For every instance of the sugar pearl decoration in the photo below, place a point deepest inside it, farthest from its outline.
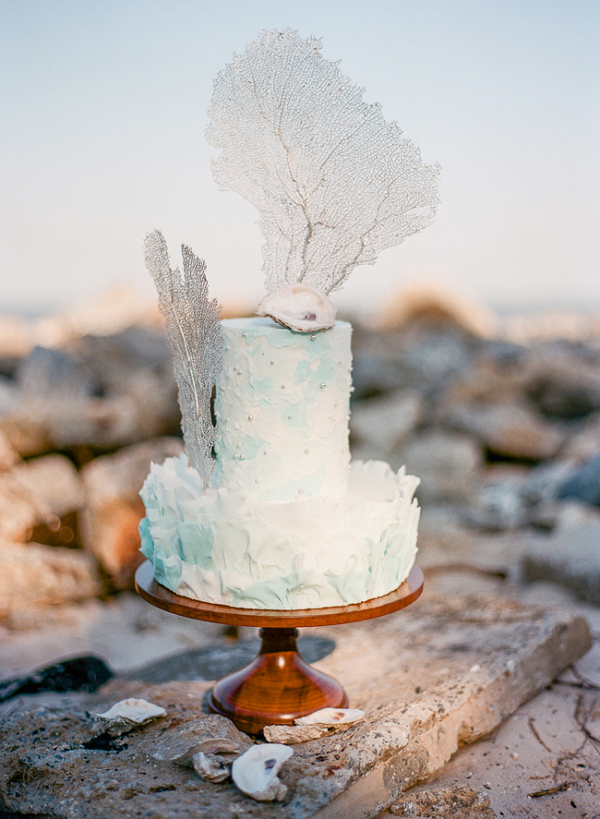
(313, 337)
(251, 417)
(322, 385)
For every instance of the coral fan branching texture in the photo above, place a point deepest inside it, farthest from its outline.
(333, 181)
(194, 334)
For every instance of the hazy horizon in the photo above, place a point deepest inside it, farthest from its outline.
(103, 113)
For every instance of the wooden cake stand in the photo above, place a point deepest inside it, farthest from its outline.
(278, 686)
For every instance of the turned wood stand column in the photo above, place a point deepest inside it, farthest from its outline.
(278, 686)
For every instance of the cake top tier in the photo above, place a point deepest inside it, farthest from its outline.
(282, 410)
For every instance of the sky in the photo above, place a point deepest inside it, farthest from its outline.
(103, 110)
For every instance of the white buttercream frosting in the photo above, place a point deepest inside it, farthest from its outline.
(225, 548)
(282, 407)
(288, 523)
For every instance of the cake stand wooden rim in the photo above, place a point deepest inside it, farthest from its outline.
(163, 598)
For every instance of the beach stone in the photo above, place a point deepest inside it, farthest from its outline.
(77, 674)
(53, 482)
(37, 493)
(512, 430)
(431, 304)
(447, 464)
(54, 375)
(584, 483)
(443, 673)
(173, 745)
(376, 373)
(381, 424)
(459, 802)
(16, 337)
(113, 509)
(102, 392)
(36, 575)
(9, 456)
(563, 379)
(582, 443)
(420, 357)
(569, 556)
(497, 507)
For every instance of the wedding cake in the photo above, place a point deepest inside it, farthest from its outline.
(289, 522)
(269, 512)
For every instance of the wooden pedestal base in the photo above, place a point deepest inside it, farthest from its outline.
(278, 686)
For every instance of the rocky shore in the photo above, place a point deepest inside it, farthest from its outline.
(500, 422)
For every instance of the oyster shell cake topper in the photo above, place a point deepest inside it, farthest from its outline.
(194, 335)
(334, 183)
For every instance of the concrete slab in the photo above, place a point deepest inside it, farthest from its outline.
(445, 672)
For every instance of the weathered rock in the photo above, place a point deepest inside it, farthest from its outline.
(53, 375)
(582, 443)
(460, 802)
(101, 392)
(569, 556)
(543, 482)
(381, 424)
(77, 674)
(432, 304)
(509, 430)
(497, 507)
(38, 492)
(293, 734)
(584, 483)
(447, 464)
(8, 454)
(37, 575)
(563, 379)
(16, 337)
(18, 513)
(53, 482)
(465, 664)
(110, 519)
(181, 742)
(427, 359)
(118, 359)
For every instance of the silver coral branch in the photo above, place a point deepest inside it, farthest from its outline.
(194, 336)
(333, 181)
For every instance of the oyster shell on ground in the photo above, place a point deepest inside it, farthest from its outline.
(128, 714)
(255, 772)
(332, 717)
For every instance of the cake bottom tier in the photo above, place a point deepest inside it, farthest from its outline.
(313, 553)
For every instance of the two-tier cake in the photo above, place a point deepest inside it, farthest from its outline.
(289, 522)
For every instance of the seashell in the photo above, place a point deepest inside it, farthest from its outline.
(126, 715)
(209, 747)
(255, 772)
(332, 717)
(293, 734)
(211, 767)
(299, 307)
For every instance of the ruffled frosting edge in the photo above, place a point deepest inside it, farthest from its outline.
(221, 548)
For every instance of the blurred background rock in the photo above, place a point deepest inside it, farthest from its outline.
(499, 418)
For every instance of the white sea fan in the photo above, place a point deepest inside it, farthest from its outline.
(333, 181)
(194, 335)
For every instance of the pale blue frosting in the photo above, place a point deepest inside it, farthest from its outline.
(223, 548)
(282, 407)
